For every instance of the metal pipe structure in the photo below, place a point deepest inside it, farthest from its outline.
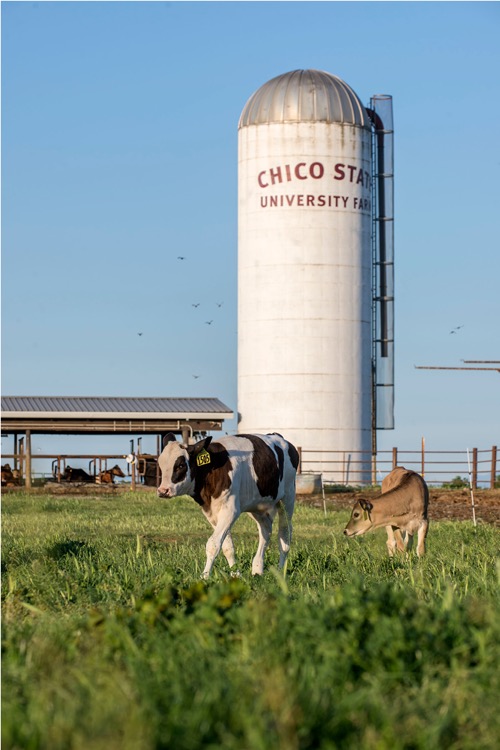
(429, 367)
(383, 264)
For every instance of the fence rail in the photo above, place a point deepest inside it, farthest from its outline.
(337, 467)
(437, 467)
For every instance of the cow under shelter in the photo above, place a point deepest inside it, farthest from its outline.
(24, 416)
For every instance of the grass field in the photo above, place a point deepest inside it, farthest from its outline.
(111, 640)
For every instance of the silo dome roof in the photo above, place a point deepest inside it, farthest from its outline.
(304, 96)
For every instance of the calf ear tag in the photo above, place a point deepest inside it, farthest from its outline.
(203, 458)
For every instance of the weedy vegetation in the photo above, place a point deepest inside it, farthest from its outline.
(111, 640)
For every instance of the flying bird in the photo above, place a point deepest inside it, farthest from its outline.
(454, 330)
(196, 376)
(219, 304)
(181, 257)
(195, 304)
(140, 334)
(209, 322)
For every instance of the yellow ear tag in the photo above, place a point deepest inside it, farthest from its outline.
(203, 458)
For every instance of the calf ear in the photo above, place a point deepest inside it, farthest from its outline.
(366, 505)
(200, 445)
(199, 448)
(168, 438)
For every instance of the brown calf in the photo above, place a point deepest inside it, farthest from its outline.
(402, 507)
(108, 476)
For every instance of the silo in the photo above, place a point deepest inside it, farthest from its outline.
(305, 265)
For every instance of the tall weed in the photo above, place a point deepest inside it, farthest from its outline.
(110, 639)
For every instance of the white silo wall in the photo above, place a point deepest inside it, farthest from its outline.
(304, 285)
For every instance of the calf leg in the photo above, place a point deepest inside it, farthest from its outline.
(391, 541)
(228, 550)
(397, 540)
(264, 522)
(421, 535)
(226, 517)
(401, 539)
(227, 544)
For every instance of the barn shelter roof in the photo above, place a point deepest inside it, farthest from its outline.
(110, 415)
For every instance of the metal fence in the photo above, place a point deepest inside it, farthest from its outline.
(478, 467)
(48, 466)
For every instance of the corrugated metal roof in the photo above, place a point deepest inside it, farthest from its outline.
(84, 405)
(305, 96)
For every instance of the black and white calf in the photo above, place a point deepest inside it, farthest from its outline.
(241, 473)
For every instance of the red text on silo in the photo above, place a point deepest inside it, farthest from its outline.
(315, 170)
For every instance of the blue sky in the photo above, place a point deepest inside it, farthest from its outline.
(119, 154)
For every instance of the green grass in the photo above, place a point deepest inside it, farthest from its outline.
(110, 639)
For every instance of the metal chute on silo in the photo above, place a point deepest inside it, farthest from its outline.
(380, 112)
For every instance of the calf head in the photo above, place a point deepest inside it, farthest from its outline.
(178, 463)
(117, 471)
(360, 521)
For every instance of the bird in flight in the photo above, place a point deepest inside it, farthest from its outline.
(209, 322)
(195, 304)
(181, 257)
(196, 376)
(454, 330)
(140, 334)
(219, 304)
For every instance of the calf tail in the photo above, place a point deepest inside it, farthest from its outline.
(285, 512)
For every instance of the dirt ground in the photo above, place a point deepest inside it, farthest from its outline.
(453, 505)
